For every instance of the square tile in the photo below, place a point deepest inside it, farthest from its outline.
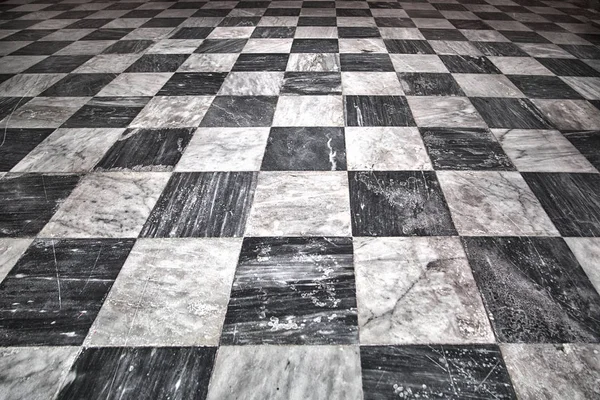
(464, 149)
(145, 150)
(135, 85)
(238, 111)
(293, 291)
(193, 84)
(271, 371)
(366, 62)
(79, 85)
(179, 288)
(589, 88)
(534, 150)
(151, 373)
(260, 62)
(398, 46)
(444, 112)
(58, 64)
(53, 294)
(107, 205)
(569, 114)
(28, 84)
(488, 85)
(158, 63)
(269, 46)
(510, 113)
(305, 149)
(221, 46)
(468, 371)
(417, 63)
(377, 111)
(106, 112)
(370, 83)
(309, 111)
(314, 62)
(300, 204)
(224, 149)
(17, 143)
(202, 204)
(41, 48)
(588, 144)
(494, 203)
(534, 278)
(571, 200)
(28, 201)
(315, 46)
(209, 63)
(312, 83)
(465, 49)
(252, 84)
(368, 148)
(399, 203)
(364, 47)
(429, 84)
(397, 281)
(128, 46)
(544, 87)
(469, 64)
(567, 67)
(107, 63)
(172, 112)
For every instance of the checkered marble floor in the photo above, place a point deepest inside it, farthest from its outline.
(299, 199)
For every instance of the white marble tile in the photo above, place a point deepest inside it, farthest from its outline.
(170, 292)
(366, 45)
(445, 112)
(83, 47)
(142, 84)
(278, 21)
(401, 33)
(268, 46)
(483, 35)
(174, 46)
(222, 62)
(371, 83)
(587, 252)
(535, 150)
(588, 87)
(148, 34)
(309, 111)
(449, 47)
(44, 112)
(313, 62)
(69, 150)
(34, 373)
(226, 32)
(105, 63)
(494, 203)
(16, 64)
(300, 204)
(417, 291)
(9, 47)
(544, 50)
(520, 66)
(418, 63)
(225, 149)
(356, 22)
(569, 114)
(385, 149)
(487, 85)
(252, 84)
(433, 23)
(28, 85)
(107, 205)
(286, 373)
(173, 112)
(564, 38)
(316, 32)
(10, 252)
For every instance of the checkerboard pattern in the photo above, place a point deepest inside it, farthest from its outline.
(299, 199)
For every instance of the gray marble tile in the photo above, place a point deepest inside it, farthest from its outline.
(10, 251)
(16, 64)
(534, 150)
(487, 85)
(520, 66)
(173, 112)
(309, 111)
(363, 45)
(209, 63)
(108, 63)
(69, 150)
(417, 291)
(444, 112)
(569, 114)
(34, 373)
(587, 252)
(131, 84)
(109, 205)
(28, 84)
(240, 111)
(300, 204)
(371, 83)
(170, 292)
(494, 203)
(252, 84)
(553, 371)
(44, 112)
(314, 62)
(418, 63)
(368, 148)
(287, 372)
(587, 87)
(224, 149)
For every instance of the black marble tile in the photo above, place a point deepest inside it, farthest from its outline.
(588, 144)
(89, 23)
(353, 12)
(311, 83)
(468, 64)
(399, 46)
(17, 143)
(253, 4)
(293, 291)
(472, 24)
(571, 200)
(534, 290)
(141, 14)
(544, 87)
(54, 292)
(27, 35)
(317, 21)
(147, 150)
(123, 6)
(305, 149)
(393, 22)
(210, 13)
(261, 62)
(44, 48)
(202, 204)
(493, 16)
(234, 111)
(201, 32)
(19, 24)
(221, 46)
(384, 5)
(5, 77)
(188, 5)
(128, 47)
(128, 373)
(240, 21)
(273, 32)
(28, 201)
(582, 51)
(107, 112)
(562, 18)
(464, 149)
(378, 111)
(79, 85)
(524, 37)
(510, 113)
(424, 14)
(544, 27)
(318, 4)
(500, 49)
(315, 46)
(366, 62)
(282, 12)
(442, 34)
(568, 67)
(590, 37)
(449, 7)
(58, 64)
(432, 372)
(163, 23)
(358, 32)
(400, 203)
(108, 34)
(73, 15)
(193, 84)
(158, 63)
(9, 105)
(429, 84)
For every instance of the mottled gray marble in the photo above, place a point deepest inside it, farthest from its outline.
(494, 203)
(371, 83)
(252, 84)
(553, 371)
(10, 251)
(418, 63)
(487, 85)
(417, 291)
(28, 84)
(588, 87)
(309, 111)
(314, 62)
(587, 252)
(142, 84)
(34, 373)
(109, 205)
(300, 204)
(108, 63)
(445, 111)
(363, 45)
(209, 63)
(519, 66)
(268, 46)
(569, 114)
(43, 112)
(173, 112)
(16, 64)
